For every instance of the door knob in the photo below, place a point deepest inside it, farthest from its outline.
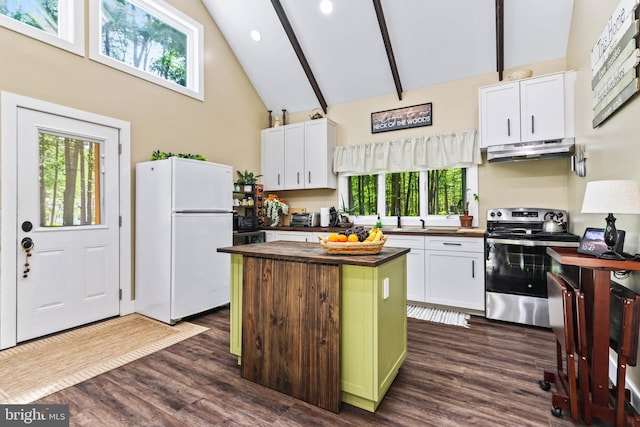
(27, 226)
(27, 243)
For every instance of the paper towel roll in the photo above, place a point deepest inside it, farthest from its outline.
(324, 217)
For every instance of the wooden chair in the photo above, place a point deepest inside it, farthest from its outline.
(567, 319)
(623, 338)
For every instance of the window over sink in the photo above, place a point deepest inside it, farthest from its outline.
(436, 196)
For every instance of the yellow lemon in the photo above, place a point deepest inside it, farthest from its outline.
(353, 238)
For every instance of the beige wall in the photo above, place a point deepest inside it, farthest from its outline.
(226, 124)
(455, 107)
(612, 149)
(224, 128)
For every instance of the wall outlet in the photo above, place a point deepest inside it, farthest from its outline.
(385, 288)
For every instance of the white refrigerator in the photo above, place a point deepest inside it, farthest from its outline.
(183, 215)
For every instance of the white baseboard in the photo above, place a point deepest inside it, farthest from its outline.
(613, 367)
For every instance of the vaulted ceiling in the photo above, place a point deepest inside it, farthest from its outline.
(342, 56)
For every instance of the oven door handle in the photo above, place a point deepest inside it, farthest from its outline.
(525, 242)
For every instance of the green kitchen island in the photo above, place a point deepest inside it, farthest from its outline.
(322, 328)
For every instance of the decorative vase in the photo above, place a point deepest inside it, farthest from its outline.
(466, 221)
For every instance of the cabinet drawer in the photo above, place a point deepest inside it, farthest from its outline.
(459, 244)
(399, 241)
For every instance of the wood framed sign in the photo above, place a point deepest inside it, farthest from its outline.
(614, 62)
(402, 118)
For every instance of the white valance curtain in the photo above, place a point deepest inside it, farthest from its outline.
(452, 150)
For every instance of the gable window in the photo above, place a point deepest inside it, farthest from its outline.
(418, 178)
(56, 22)
(151, 40)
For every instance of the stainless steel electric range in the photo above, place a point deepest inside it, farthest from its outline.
(517, 262)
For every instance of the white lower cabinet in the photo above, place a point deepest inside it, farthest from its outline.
(442, 270)
(293, 236)
(415, 264)
(454, 269)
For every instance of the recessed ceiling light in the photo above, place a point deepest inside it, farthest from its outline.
(326, 6)
(255, 35)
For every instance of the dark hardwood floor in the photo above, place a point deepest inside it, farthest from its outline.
(486, 375)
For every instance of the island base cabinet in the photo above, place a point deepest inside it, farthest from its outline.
(373, 327)
(373, 334)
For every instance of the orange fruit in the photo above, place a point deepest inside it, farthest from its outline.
(342, 238)
(353, 238)
(333, 237)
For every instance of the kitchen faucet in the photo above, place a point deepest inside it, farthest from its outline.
(398, 215)
(422, 221)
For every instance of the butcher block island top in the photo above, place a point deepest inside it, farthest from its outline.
(322, 328)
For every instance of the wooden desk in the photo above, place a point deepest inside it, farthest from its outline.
(595, 282)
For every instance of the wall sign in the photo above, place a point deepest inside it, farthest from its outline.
(614, 62)
(401, 118)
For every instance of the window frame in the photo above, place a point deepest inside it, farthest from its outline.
(170, 16)
(451, 220)
(70, 27)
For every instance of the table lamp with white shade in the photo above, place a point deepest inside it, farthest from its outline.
(609, 197)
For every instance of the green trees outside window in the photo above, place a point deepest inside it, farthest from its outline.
(40, 14)
(443, 190)
(139, 39)
(70, 181)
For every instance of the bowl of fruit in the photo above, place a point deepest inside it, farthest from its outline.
(354, 241)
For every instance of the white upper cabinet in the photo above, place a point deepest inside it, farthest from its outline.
(535, 109)
(294, 149)
(299, 156)
(500, 114)
(320, 140)
(273, 158)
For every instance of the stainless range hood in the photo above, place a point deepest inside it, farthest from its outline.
(536, 150)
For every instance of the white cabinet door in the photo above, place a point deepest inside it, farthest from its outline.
(320, 140)
(499, 114)
(273, 158)
(455, 279)
(294, 155)
(416, 290)
(293, 236)
(542, 108)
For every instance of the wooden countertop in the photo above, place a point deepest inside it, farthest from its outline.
(312, 253)
(570, 256)
(408, 231)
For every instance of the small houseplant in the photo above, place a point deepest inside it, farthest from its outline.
(246, 179)
(345, 214)
(465, 219)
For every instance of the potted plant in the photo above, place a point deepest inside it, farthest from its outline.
(465, 219)
(275, 206)
(345, 214)
(246, 179)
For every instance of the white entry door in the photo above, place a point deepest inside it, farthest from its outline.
(67, 223)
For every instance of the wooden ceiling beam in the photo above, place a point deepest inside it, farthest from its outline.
(500, 38)
(387, 45)
(299, 53)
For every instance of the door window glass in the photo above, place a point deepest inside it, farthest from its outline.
(70, 181)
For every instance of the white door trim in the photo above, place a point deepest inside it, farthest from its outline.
(9, 104)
